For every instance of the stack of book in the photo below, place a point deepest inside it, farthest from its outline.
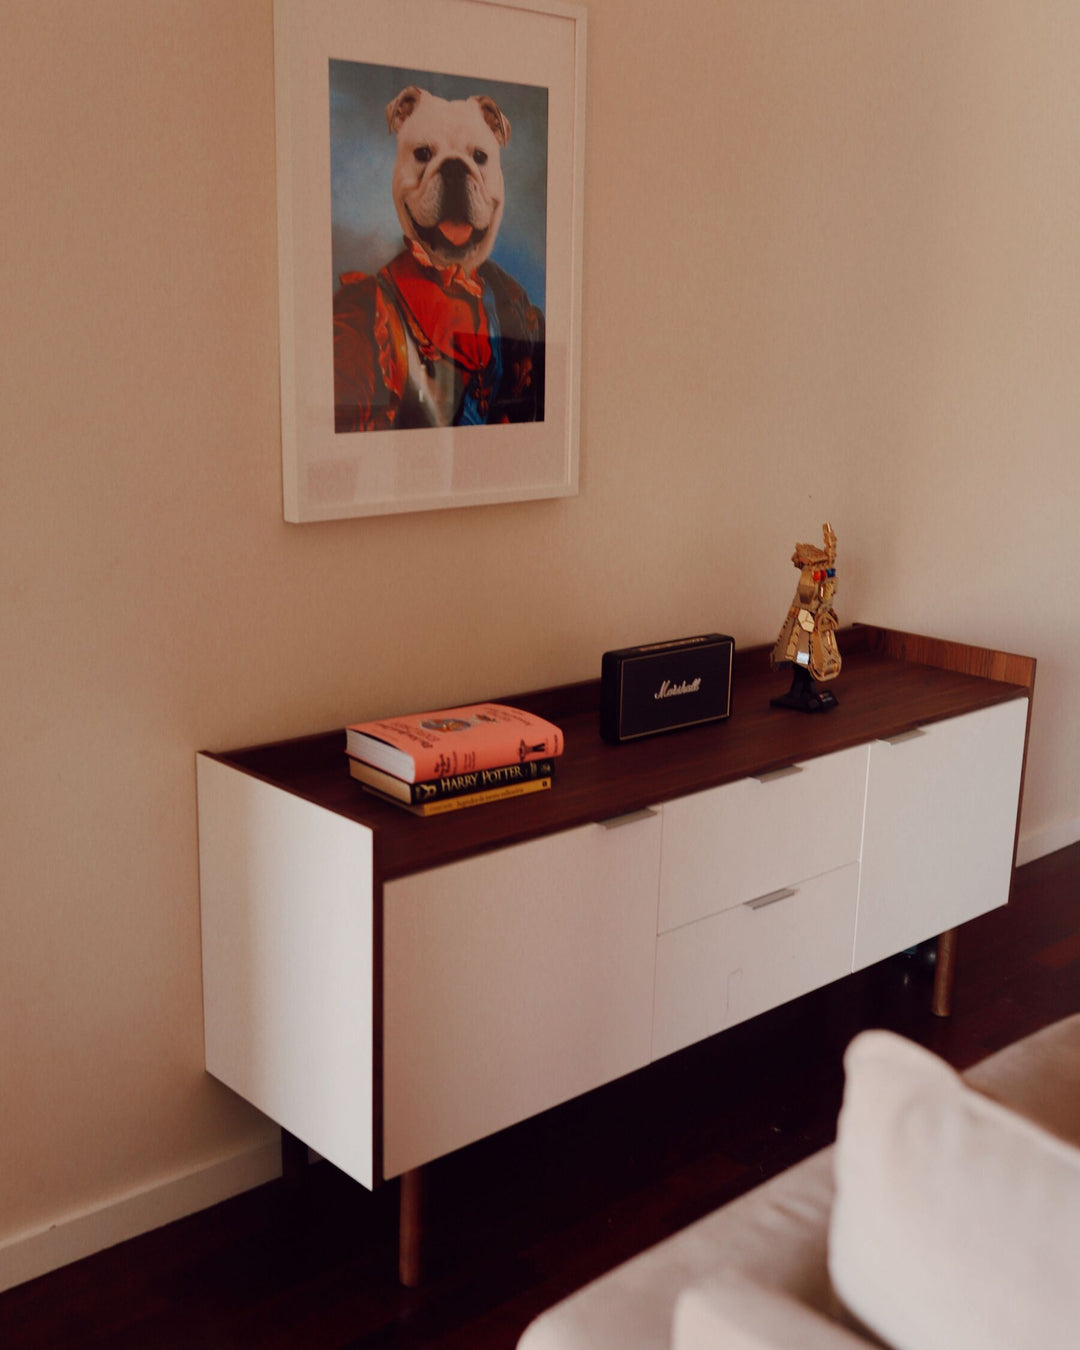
(434, 762)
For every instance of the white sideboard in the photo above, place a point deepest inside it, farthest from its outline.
(389, 989)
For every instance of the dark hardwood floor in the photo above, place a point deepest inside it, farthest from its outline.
(521, 1219)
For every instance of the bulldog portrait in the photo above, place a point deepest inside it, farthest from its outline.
(441, 335)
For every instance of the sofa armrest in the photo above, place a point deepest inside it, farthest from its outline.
(739, 1313)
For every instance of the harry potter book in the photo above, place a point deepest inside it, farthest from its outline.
(452, 785)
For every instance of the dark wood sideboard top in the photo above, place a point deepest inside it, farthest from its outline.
(890, 683)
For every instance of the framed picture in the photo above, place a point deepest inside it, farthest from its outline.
(430, 179)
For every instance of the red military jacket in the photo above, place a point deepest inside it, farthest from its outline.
(483, 325)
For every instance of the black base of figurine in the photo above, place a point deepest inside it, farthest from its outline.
(804, 695)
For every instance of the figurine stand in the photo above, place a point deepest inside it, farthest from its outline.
(804, 695)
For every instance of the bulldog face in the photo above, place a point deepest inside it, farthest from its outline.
(448, 184)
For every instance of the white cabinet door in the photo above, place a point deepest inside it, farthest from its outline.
(731, 966)
(514, 981)
(940, 824)
(729, 844)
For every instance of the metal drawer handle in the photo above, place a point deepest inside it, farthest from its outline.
(912, 735)
(762, 900)
(785, 772)
(617, 822)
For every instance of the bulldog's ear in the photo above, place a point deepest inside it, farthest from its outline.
(494, 116)
(401, 108)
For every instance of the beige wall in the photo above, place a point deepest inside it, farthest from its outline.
(830, 272)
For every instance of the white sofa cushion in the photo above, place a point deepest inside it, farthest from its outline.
(737, 1312)
(956, 1224)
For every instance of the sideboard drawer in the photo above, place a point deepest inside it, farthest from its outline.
(729, 844)
(731, 966)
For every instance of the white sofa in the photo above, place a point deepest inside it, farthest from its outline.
(946, 1215)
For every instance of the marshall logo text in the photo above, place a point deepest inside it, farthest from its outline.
(669, 690)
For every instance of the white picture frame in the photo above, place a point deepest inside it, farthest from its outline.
(332, 161)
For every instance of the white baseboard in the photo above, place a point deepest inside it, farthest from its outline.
(1039, 843)
(28, 1255)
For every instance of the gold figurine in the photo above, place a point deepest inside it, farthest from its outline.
(807, 640)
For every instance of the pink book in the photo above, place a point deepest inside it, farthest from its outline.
(454, 740)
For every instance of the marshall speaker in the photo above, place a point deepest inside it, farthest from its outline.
(665, 685)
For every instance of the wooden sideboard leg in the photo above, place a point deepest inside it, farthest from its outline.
(410, 1227)
(944, 974)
